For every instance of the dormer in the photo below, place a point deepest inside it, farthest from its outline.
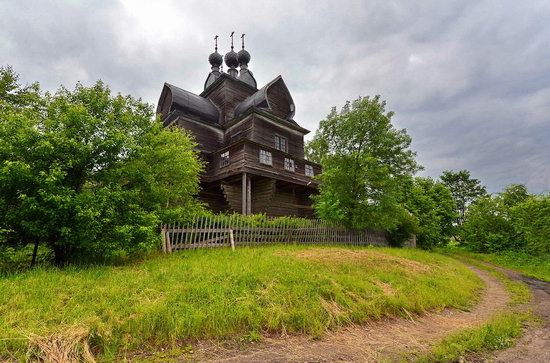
(188, 104)
(274, 97)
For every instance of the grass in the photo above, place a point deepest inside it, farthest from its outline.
(499, 333)
(529, 265)
(220, 294)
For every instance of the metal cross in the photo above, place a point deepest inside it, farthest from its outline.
(232, 39)
(242, 38)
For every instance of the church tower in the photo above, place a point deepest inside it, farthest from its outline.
(252, 146)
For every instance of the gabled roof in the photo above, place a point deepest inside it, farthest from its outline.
(173, 98)
(261, 100)
(226, 77)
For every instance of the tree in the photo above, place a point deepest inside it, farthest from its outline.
(495, 223)
(464, 190)
(532, 224)
(487, 228)
(366, 162)
(89, 174)
(432, 204)
(514, 194)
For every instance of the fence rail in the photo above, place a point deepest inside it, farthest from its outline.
(224, 231)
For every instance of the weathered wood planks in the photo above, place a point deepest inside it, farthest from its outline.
(232, 231)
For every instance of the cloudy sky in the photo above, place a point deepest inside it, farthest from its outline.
(469, 80)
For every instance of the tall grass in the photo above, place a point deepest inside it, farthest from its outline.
(499, 332)
(529, 265)
(219, 294)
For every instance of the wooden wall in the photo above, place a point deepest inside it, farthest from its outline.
(269, 197)
(278, 162)
(214, 198)
(264, 133)
(243, 130)
(227, 95)
(236, 162)
(278, 100)
(208, 138)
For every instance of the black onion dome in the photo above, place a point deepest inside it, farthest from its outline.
(215, 59)
(231, 59)
(243, 56)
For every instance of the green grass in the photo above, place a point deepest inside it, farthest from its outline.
(499, 333)
(529, 265)
(223, 294)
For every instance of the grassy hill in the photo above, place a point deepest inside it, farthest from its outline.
(220, 294)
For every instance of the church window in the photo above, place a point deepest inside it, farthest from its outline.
(265, 157)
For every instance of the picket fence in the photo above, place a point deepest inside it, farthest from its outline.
(232, 231)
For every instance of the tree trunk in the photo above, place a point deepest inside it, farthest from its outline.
(34, 253)
(60, 255)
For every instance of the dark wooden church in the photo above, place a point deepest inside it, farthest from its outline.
(253, 147)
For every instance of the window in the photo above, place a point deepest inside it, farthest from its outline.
(289, 164)
(309, 170)
(280, 143)
(265, 157)
(224, 159)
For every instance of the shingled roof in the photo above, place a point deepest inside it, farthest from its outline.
(174, 98)
(260, 99)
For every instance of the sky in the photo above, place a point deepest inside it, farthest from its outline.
(469, 80)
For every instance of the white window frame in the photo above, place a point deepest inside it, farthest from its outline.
(281, 143)
(224, 159)
(265, 157)
(308, 170)
(290, 165)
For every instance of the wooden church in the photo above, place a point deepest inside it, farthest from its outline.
(253, 148)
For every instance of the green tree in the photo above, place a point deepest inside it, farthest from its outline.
(532, 223)
(432, 204)
(366, 162)
(494, 223)
(464, 189)
(89, 174)
(488, 227)
(514, 194)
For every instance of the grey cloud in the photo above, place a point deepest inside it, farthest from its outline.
(469, 80)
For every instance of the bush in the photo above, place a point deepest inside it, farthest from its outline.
(509, 221)
(407, 228)
(88, 174)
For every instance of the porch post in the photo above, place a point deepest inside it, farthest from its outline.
(244, 194)
(249, 196)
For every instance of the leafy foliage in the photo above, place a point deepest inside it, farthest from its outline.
(532, 221)
(432, 204)
(366, 161)
(464, 190)
(510, 221)
(88, 173)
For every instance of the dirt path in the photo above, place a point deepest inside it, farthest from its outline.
(534, 345)
(383, 340)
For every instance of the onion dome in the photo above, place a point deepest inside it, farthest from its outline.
(215, 59)
(243, 57)
(231, 59)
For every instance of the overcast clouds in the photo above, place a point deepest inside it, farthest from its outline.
(470, 80)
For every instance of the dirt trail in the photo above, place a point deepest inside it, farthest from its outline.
(534, 345)
(388, 339)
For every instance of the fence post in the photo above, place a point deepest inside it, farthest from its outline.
(163, 235)
(168, 241)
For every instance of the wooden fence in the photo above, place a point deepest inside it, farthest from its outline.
(231, 231)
